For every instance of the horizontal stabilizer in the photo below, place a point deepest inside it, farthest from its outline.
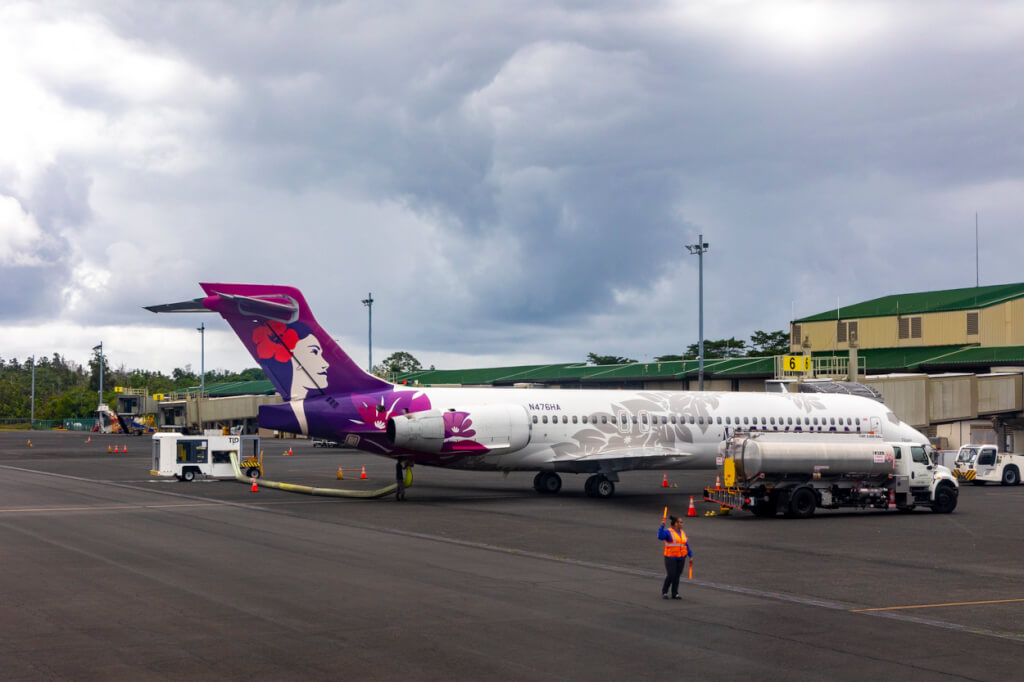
(193, 306)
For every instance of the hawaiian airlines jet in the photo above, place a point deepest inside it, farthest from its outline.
(595, 432)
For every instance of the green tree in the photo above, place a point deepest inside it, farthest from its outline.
(719, 348)
(768, 343)
(668, 358)
(595, 359)
(398, 362)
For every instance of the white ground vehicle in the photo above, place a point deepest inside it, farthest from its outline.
(981, 464)
(189, 456)
(766, 474)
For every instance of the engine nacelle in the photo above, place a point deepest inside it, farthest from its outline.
(478, 429)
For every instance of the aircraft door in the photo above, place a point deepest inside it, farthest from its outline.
(876, 425)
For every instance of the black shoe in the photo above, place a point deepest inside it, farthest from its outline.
(676, 596)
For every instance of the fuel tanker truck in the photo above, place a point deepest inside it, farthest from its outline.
(768, 474)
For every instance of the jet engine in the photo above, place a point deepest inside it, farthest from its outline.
(484, 427)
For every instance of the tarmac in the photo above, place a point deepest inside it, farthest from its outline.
(110, 573)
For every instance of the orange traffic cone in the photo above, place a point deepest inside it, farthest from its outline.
(290, 453)
(892, 498)
(254, 489)
(109, 450)
(116, 451)
(30, 443)
(664, 480)
(718, 482)
(125, 448)
(363, 473)
(692, 511)
(89, 439)
(341, 474)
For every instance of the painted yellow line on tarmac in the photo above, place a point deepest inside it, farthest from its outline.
(935, 606)
(24, 510)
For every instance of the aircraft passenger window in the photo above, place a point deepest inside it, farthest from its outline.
(613, 420)
(700, 420)
(574, 419)
(664, 420)
(565, 420)
(634, 419)
(728, 420)
(772, 421)
(643, 418)
(832, 421)
(763, 420)
(789, 420)
(584, 419)
(673, 419)
(719, 419)
(604, 419)
(691, 418)
(534, 419)
(745, 421)
(544, 419)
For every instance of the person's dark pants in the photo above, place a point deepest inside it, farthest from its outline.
(400, 482)
(673, 571)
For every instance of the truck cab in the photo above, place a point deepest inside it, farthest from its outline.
(981, 464)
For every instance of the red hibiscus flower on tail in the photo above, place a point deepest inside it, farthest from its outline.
(274, 340)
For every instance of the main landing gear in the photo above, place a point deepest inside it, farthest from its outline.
(547, 482)
(599, 485)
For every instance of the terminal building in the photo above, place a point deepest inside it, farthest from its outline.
(948, 362)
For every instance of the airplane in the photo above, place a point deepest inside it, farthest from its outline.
(595, 432)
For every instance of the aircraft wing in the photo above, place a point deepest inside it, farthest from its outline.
(624, 459)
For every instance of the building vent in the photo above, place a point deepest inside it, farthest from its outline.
(972, 323)
(910, 327)
(915, 327)
(904, 327)
(841, 332)
(794, 339)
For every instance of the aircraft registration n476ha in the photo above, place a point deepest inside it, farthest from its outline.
(551, 431)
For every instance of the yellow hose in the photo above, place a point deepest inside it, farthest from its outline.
(308, 490)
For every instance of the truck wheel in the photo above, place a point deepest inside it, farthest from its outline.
(188, 475)
(802, 503)
(1010, 476)
(945, 499)
(252, 472)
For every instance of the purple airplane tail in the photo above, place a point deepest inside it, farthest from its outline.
(296, 354)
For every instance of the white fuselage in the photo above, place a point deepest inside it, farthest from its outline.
(573, 425)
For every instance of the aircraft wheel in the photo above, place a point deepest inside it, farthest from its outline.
(548, 482)
(603, 487)
(536, 481)
(588, 487)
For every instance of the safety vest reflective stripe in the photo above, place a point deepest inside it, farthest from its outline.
(676, 547)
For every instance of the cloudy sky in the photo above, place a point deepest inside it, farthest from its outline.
(514, 182)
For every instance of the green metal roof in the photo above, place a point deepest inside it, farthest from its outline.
(229, 388)
(924, 302)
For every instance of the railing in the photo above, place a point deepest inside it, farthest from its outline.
(824, 367)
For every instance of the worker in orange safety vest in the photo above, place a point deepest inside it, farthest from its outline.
(676, 551)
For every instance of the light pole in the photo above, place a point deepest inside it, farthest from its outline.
(368, 302)
(32, 417)
(202, 372)
(700, 248)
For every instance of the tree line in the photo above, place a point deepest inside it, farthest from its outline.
(67, 390)
(762, 344)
